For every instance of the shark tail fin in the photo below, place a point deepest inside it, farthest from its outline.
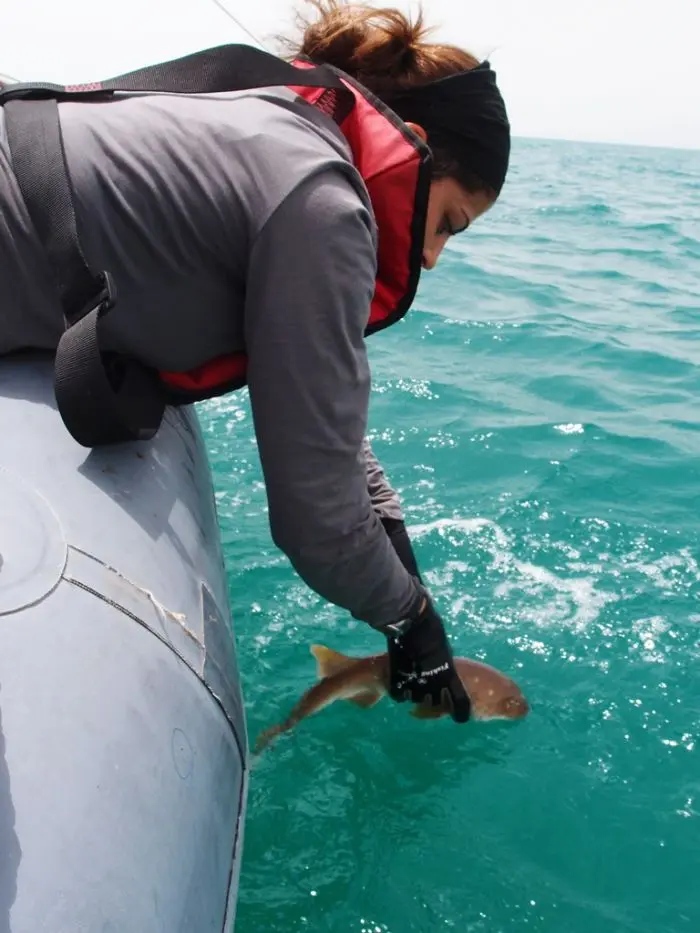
(266, 738)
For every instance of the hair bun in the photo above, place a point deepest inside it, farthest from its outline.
(379, 47)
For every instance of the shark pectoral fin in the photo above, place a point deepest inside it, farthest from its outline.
(366, 699)
(330, 662)
(428, 712)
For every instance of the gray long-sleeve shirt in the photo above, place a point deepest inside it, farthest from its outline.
(237, 222)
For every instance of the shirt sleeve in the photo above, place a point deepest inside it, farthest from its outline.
(384, 498)
(309, 287)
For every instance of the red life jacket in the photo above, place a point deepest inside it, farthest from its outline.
(395, 167)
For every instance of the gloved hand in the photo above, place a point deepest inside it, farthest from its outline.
(421, 666)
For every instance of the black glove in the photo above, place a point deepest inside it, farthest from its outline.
(400, 541)
(421, 665)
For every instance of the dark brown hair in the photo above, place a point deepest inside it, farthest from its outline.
(386, 52)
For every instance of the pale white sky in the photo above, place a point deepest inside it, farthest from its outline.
(604, 70)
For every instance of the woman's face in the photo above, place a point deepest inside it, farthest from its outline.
(451, 210)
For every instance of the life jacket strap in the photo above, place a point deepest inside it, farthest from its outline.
(108, 398)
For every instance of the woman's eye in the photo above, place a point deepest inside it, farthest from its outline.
(447, 227)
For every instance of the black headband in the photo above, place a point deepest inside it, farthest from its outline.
(466, 112)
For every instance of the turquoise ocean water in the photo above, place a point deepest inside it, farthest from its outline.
(538, 412)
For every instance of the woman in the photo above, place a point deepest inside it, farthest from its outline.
(257, 237)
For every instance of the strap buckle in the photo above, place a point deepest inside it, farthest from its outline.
(102, 302)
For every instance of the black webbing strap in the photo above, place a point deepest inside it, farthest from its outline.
(107, 398)
(98, 405)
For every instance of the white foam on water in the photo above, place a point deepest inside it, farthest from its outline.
(649, 632)
(670, 572)
(575, 600)
(467, 525)
(569, 428)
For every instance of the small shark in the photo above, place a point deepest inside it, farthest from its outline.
(364, 681)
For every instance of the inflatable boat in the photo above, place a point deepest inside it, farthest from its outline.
(123, 746)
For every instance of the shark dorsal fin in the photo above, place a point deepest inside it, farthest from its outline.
(330, 662)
